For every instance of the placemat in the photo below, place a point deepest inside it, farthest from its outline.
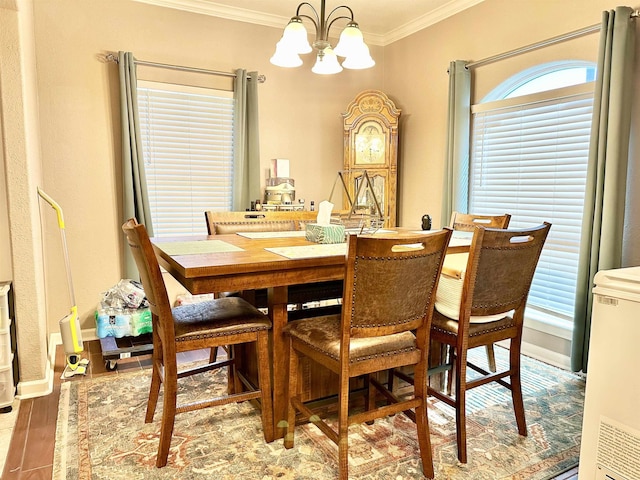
(197, 246)
(283, 234)
(310, 251)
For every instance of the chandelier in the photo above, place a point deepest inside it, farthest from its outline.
(351, 46)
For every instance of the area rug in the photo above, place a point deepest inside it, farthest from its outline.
(101, 434)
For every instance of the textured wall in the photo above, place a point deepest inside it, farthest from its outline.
(21, 150)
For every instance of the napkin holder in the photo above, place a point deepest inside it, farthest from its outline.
(324, 233)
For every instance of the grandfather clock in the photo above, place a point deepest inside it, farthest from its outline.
(371, 146)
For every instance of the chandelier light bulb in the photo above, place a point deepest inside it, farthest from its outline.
(295, 37)
(359, 59)
(285, 57)
(327, 63)
(350, 40)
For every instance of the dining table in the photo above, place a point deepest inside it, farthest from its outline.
(246, 261)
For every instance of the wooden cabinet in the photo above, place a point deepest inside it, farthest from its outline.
(371, 146)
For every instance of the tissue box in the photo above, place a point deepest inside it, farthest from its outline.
(324, 233)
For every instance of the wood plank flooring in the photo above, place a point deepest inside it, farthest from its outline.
(30, 454)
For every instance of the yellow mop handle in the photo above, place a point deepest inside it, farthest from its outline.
(55, 206)
(70, 324)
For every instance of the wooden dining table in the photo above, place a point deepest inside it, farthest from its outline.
(257, 260)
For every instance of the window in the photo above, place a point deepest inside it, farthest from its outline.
(529, 158)
(187, 140)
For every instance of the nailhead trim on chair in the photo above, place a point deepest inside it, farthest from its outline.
(381, 355)
(202, 336)
(448, 332)
(400, 322)
(367, 357)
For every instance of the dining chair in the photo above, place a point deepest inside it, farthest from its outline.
(219, 223)
(264, 220)
(388, 300)
(210, 324)
(467, 222)
(496, 282)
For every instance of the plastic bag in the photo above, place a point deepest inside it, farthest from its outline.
(125, 294)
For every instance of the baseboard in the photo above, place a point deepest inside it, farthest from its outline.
(56, 339)
(42, 387)
(544, 355)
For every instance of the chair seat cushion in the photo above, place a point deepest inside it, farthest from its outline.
(323, 334)
(444, 324)
(222, 316)
(449, 293)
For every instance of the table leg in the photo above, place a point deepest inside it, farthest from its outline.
(437, 356)
(277, 301)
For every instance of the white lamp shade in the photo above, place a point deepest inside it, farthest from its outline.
(284, 57)
(359, 59)
(295, 37)
(327, 64)
(350, 40)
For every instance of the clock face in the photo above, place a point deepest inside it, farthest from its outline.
(369, 144)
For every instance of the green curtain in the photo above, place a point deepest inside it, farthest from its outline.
(246, 143)
(456, 176)
(604, 207)
(134, 184)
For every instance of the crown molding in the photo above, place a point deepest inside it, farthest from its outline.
(431, 18)
(206, 7)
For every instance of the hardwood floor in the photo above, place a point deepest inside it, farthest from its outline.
(31, 450)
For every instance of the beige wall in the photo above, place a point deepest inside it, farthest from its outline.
(299, 116)
(20, 144)
(416, 76)
(300, 113)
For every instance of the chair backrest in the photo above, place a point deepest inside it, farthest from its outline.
(500, 270)
(468, 221)
(264, 221)
(150, 276)
(390, 283)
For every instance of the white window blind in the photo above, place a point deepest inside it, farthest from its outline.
(529, 158)
(187, 142)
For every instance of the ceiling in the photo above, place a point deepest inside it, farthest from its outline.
(381, 21)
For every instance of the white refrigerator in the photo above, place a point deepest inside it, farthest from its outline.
(610, 445)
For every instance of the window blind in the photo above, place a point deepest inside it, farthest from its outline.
(187, 141)
(529, 159)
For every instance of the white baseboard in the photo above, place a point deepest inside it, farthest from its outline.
(42, 387)
(544, 355)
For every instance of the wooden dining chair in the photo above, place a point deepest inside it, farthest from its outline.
(218, 322)
(467, 222)
(389, 291)
(262, 221)
(497, 279)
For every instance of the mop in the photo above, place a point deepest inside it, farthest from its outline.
(70, 324)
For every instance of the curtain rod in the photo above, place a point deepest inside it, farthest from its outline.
(112, 57)
(543, 43)
(535, 46)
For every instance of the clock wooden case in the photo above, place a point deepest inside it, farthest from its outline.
(371, 145)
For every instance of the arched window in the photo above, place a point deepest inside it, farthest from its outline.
(529, 153)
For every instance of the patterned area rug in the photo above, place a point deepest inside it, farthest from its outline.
(101, 434)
